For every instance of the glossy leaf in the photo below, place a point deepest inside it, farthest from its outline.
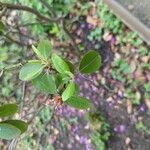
(8, 110)
(30, 71)
(78, 102)
(70, 65)
(60, 79)
(21, 125)
(69, 91)
(45, 83)
(90, 62)
(59, 64)
(8, 131)
(43, 50)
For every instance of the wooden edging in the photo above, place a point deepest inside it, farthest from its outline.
(130, 20)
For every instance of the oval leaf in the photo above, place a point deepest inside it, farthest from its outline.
(59, 64)
(8, 131)
(21, 125)
(70, 65)
(78, 102)
(43, 50)
(8, 110)
(30, 71)
(45, 83)
(58, 79)
(90, 62)
(69, 91)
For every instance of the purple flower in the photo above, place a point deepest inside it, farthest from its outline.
(83, 25)
(116, 129)
(120, 129)
(113, 40)
(96, 103)
(90, 26)
(110, 104)
(142, 108)
(81, 94)
(75, 129)
(88, 147)
(83, 140)
(69, 146)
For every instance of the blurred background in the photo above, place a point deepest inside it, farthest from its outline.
(120, 90)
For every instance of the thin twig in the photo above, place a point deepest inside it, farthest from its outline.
(9, 68)
(39, 110)
(63, 24)
(70, 36)
(50, 9)
(22, 34)
(13, 66)
(22, 99)
(30, 24)
(28, 9)
(14, 41)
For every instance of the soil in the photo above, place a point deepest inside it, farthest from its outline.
(69, 130)
(109, 102)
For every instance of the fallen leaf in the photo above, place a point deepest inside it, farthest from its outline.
(127, 141)
(92, 20)
(138, 75)
(133, 65)
(145, 59)
(147, 102)
(107, 36)
(129, 107)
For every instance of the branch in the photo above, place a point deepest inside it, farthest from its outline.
(50, 9)
(31, 24)
(23, 35)
(14, 41)
(71, 37)
(28, 9)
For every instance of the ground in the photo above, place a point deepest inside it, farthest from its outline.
(119, 91)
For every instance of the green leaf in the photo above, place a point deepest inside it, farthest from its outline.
(8, 110)
(30, 71)
(8, 131)
(2, 27)
(90, 62)
(59, 64)
(78, 102)
(45, 83)
(69, 91)
(58, 79)
(70, 65)
(43, 50)
(21, 125)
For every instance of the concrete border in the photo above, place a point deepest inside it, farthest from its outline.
(130, 20)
